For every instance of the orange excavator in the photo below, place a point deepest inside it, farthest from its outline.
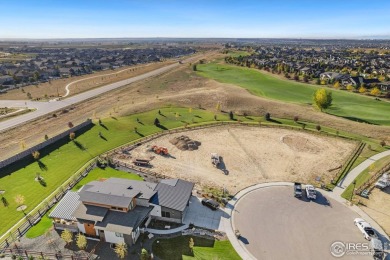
(160, 150)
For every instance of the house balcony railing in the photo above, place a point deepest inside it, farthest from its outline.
(70, 226)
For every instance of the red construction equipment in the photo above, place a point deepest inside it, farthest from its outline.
(160, 150)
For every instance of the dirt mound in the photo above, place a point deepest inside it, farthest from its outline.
(185, 143)
(300, 144)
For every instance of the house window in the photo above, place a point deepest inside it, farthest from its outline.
(118, 234)
(166, 214)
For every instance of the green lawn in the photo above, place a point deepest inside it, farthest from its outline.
(66, 159)
(41, 227)
(98, 174)
(63, 162)
(177, 248)
(365, 176)
(348, 105)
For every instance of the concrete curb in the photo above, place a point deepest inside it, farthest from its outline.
(240, 247)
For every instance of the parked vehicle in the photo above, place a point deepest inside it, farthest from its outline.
(297, 190)
(383, 181)
(311, 193)
(212, 204)
(376, 249)
(366, 229)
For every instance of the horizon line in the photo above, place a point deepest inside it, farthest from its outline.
(215, 38)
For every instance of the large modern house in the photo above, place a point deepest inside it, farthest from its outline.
(114, 210)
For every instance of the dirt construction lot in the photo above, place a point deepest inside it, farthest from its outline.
(249, 155)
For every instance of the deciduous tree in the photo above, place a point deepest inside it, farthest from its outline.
(322, 98)
(191, 244)
(67, 236)
(81, 241)
(375, 91)
(121, 250)
(35, 155)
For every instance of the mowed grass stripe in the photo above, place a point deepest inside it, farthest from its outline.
(348, 105)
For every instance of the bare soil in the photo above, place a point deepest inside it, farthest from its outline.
(378, 207)
(250, 155)
(179, 87)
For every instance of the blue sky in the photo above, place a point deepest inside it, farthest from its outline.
(196, 18)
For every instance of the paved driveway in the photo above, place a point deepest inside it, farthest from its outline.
(275, 225)
(202, 216)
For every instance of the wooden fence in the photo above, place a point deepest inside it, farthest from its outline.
(20, 253)
(33, 218)
(368, 185)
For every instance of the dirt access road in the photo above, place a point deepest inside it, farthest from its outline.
(250, 155)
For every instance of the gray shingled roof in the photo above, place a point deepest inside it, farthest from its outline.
(66, 207)
(124, 222)
(173, 194)
(89, 212)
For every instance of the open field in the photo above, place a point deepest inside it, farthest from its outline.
(347, 105)
(250, 156)
(177, 249)
(56, 88)
(181, 87)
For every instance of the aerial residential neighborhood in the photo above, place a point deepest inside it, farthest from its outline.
(204, 130)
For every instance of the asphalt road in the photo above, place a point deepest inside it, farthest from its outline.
(275, 225)
(43, 108)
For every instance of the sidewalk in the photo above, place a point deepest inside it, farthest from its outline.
(240, 247)
(351, 176)
(167, 231)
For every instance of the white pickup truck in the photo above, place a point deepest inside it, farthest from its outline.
(311, 193)
(383, 181)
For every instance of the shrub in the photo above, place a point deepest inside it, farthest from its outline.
(318, 127)
(156, 122)
(382, 143)
(296, 118)
(267, 116)
(231, 115)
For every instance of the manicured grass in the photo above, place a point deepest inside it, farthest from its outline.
(365, 176)
(178, 248)
(63, 162)
(348, 105)
(96, 174)
(99, 174)
(41, 227)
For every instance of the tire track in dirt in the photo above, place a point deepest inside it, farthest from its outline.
(248, 154)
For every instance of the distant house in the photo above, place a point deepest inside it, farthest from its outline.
(114, 210)
(6, 80)
(384, 86)
(65, 72)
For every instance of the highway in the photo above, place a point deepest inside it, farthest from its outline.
(44, 108)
